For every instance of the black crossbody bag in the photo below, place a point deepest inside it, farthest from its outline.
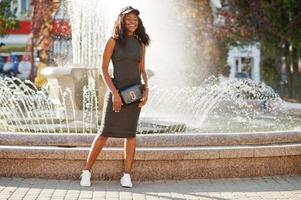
(131, 93)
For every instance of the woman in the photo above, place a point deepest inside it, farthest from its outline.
(126, 48)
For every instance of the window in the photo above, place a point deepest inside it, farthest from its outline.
(21, 8)
(14, 7)
(24, 6)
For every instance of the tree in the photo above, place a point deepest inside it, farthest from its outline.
(42, 26)
(42, 30)
(276, 24)
(7, 18)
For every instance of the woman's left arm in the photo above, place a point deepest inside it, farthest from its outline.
(144, 77)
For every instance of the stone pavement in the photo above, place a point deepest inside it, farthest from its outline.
(270, 188)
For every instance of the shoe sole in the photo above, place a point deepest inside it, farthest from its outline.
(127, 186)
(85, 185)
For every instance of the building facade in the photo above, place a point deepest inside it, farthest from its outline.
(17, 39)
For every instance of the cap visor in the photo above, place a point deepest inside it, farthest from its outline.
(131, 10)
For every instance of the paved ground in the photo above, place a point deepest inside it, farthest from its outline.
(279, 187)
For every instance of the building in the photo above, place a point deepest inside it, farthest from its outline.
(16, 40)
(244, 62)
(14, 60)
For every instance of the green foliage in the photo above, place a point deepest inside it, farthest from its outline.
(269, 73)
(7, 18)
(271, 22)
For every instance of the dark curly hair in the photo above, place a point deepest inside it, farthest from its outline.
(120, 32)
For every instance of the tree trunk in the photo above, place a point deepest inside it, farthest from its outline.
(295, 74)
(288, 62)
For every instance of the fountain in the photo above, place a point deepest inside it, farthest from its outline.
(214, 129)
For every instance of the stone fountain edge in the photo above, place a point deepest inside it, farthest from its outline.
(154, 140)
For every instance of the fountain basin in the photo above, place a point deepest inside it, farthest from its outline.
(154, 140)
(73, 78)
(158, 157)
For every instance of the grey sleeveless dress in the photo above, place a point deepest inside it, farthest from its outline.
(123, 124)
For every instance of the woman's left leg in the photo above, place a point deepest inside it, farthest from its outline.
(129, 153)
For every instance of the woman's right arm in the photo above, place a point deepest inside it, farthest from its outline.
(107, 54)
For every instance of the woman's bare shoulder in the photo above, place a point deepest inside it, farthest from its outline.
(111, 43)
(111, 40)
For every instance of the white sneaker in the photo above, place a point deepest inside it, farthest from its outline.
(85, 178)
(126, 181)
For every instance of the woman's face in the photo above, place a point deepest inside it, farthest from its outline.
(131, 22)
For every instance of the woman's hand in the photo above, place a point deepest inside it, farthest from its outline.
(144, 98)
(117, 102)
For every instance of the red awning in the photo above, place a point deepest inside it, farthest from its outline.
(25, 28)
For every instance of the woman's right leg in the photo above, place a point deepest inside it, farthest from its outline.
(97, 145)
